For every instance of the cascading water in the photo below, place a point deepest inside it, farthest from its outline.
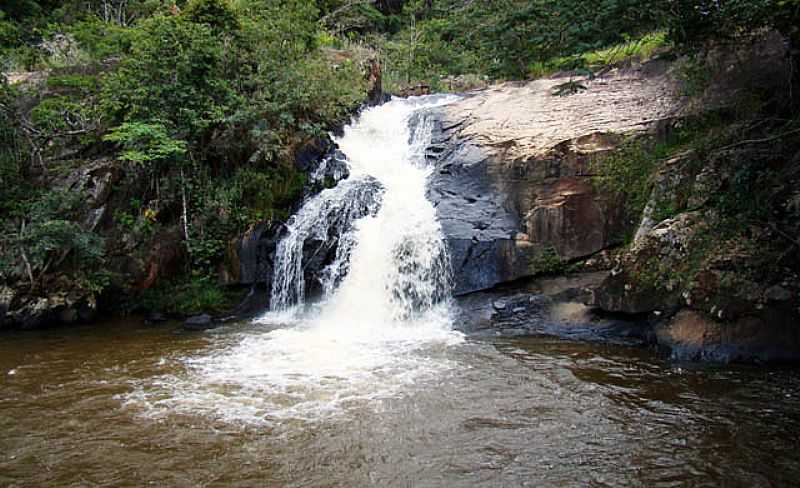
(390, 244)
(383, 322)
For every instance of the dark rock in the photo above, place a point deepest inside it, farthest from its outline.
(501, 221)
(308, 155)
(154, 318)
(6, 297)
(666, 247)
(253, 255)
(167, 252)
(199, 322)
(543, 307)
(512, 164)
(693, 336)
(777, 293)
(67, 315)
(255, 302)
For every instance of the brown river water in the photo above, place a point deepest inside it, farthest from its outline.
(124, 404)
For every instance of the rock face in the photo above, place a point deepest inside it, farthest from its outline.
(550, 306)
(513, 162)
(691, 335)
(251, 255)
(254, 253)
(633, 287)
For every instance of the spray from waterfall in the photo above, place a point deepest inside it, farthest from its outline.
(390, 260)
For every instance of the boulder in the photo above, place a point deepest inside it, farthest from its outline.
(512, 164)
(648, 277)
(692, 335)
(199, 322)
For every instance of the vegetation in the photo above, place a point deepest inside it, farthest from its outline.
(194, 109)
(200, 103)
(193, 296)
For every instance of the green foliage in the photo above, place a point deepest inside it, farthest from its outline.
(85, 84)
(216, 14)
(47, 234)
(100, 39)
(510, 38)
(175, 74)
(692, 22)
(190, 297)
(140, 221)
(12, 155)
(59, 114)
(267, 194)
(694, 76)
(220, 209)
(146, 143)
(547, 261)
(627, 173)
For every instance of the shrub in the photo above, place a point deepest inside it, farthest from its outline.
(146, 143)
(174, 74)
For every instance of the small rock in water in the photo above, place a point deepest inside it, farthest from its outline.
(199, 322)
(778, 293)
(499, 305)
(155, 317)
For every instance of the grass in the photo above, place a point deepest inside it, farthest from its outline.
(637, 50)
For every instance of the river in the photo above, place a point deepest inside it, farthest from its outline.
(123, 404)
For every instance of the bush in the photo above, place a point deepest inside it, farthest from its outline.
(175, 74)
(146, 143)
(191, 297)
(48, 234)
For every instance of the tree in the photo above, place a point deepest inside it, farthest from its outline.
(175, 73)
(216, 14)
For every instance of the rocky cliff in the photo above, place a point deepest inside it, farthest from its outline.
(513, 182)
(708, 269)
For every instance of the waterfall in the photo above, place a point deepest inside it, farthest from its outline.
(383, 322)
(375, 233)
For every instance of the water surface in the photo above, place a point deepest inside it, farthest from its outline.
(123, 404)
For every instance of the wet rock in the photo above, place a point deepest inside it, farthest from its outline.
(777, 293)
(68, 315)
(252, 256)
(154, 318)
(691, 335)
(6, 297)
(256, 301)
(307, 156)
(199, 322)
(510, 185)
(548, 306)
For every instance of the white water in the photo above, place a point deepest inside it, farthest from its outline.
(384, 322)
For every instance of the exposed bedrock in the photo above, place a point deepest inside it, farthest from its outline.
(511, 184)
